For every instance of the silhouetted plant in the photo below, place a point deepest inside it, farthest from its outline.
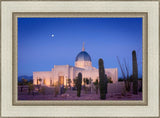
(140, 88)
(106, 83)
(24, 82)
(43, 90)
(96, 85)
(109, 79)
(56, 90)
(135, 72)
(79, 84)
(102, 80)
(75, 82)
(127, 80)
(121, 79)
(30, 87)
(69, 81)
(84, 81)
(87, 81)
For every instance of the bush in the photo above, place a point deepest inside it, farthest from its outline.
(56, 89)
(96, 85)
(42, 90)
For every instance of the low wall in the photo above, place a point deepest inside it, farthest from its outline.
(119, 86)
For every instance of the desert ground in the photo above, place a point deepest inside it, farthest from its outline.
(48, 93)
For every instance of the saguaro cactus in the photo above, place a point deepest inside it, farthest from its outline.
(102, 81)
(135, 72)
(79, 84)
(106, 83)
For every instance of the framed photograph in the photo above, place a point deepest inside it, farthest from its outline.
(80, 59)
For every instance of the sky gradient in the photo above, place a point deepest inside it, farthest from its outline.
(104, 38)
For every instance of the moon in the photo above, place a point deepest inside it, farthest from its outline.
(52, 35)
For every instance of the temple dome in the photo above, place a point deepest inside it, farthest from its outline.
(83, 56)
(83, 60)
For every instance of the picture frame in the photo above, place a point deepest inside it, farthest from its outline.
(11, 10)
(16, 102)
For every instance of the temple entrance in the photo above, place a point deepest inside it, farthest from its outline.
(61, 80)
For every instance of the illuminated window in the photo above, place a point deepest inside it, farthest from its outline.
(44, 81)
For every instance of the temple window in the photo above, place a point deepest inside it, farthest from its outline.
(44, 81)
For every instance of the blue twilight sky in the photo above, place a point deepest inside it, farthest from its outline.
(104, 38)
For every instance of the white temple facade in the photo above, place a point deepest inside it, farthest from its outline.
(61, 73)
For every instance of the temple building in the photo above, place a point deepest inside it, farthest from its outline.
(61, 73)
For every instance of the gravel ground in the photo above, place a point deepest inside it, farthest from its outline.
(72, 95)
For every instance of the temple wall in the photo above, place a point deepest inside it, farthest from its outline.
(113, 73)
(83, 64)
(46, 76)
(119, 87)
(70, 72)
(94, 74)
(61, 70)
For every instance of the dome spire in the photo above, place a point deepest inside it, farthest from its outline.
(83, 47)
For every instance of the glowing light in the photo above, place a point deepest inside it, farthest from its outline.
(52, 35)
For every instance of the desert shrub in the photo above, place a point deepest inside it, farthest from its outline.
(42, 90)
(96, 83)
(123, 93)
(56, 89)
